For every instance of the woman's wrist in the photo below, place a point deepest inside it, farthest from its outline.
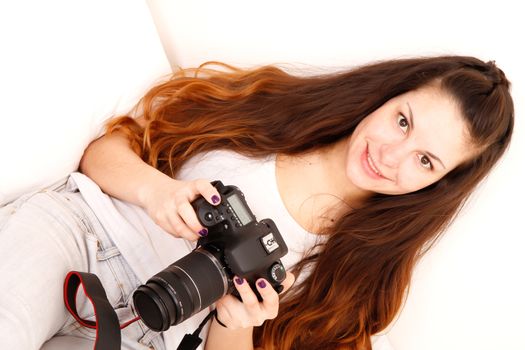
(152, 180)
(220, 337)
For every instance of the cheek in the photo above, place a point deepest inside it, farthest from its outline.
(378, 131)
(411, 179)
(352, 162)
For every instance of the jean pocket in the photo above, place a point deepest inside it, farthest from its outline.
(108, 265)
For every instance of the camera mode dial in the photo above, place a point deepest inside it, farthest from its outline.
(278, 272)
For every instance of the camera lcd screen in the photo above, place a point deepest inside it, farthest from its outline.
(238, 208)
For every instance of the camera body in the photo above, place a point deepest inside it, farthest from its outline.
(251, 249)
(236, 245)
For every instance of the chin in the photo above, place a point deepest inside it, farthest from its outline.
(358, 180)
(396, 192)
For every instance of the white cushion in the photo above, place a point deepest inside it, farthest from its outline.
(66, 67)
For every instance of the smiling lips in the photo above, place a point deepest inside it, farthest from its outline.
(370, 167)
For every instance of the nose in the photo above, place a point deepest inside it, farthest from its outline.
(392, 154)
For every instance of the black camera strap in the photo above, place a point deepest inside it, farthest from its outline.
(107, 324)
(192, 341)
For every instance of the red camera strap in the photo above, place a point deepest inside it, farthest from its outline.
(107, 324)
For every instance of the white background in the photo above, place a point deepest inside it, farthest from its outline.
(66, 66)
(468, 293)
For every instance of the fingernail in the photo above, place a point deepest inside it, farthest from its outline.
(261, 284)
(239, 281)
(215, 199)
(203, 232)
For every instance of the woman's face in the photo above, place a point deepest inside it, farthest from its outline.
(410, 142)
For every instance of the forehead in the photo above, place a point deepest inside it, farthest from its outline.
(439, 126)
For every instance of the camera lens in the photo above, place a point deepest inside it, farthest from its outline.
(181, 290)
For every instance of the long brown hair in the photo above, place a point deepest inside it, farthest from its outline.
(360, 275)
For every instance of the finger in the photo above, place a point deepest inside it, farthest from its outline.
(270, 298)
(206, 189)
(232, 312)
(187, 213)
(178, 228)
(251, 308)
(248, 297)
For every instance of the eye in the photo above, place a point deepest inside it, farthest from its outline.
(402, 121)
(425, 162)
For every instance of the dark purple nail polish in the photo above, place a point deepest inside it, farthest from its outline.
(239, 281)
(261, 284)
(215, 199)
(203, 232)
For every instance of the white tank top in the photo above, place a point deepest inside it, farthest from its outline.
(149, 249)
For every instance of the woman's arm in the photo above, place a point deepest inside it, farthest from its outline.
(118, 170)
(121, 173)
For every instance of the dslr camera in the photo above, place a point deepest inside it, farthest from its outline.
(236, 245)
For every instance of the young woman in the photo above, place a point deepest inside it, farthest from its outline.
(361, 171)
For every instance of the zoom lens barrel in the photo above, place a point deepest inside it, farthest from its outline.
(184, 288)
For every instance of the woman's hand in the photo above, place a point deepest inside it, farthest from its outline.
(167, 202)
(235, 314)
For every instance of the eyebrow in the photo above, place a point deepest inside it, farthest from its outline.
(411, 117)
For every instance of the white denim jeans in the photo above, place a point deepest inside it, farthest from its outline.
(43, 236)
